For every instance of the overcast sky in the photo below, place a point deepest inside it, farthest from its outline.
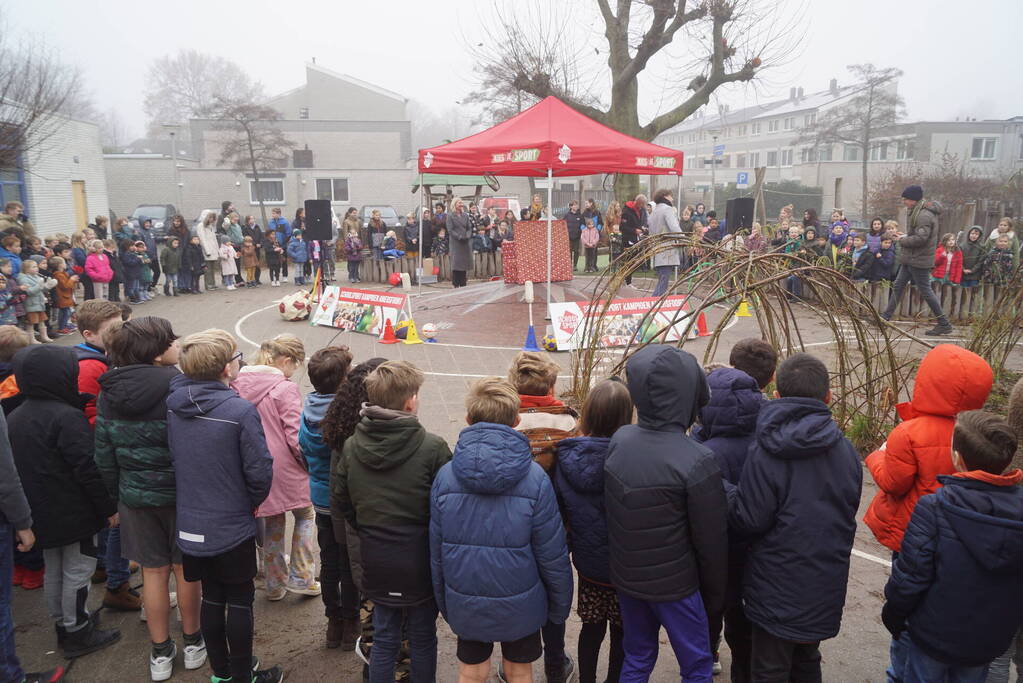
(959, 59)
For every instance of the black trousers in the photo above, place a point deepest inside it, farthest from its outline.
(340, 596)
(921, 279)
(154, 264)
(459, 278)
(227, 626)
(575, 246)
(776, 660)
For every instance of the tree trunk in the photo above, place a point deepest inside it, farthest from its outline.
(255, 176)
(623, 116)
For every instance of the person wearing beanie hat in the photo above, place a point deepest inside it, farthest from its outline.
(916, 257)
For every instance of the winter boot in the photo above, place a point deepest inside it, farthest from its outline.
(31, 579)
(123, 599)
(86, 639)
(349, 634)
(51, 676)
(335, 630)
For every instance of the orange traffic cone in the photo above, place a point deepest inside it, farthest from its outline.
(701, 325)
(389, 337)
(412, 337)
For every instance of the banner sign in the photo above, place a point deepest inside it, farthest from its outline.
(358, 310)
(621, 325)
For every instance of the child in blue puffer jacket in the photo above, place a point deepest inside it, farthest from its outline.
(328, 370)
(298, 252)
(579, 481)
(499, 560)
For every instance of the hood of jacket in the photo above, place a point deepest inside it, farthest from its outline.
(49, 373)
(668, 387)
(193, 398)
(986, 519)
(491, 458)
(315, 408)
(796, 428)
(385, 439)
(254, 382)
(581, 462)
(735, 402)
(949, 381)
(136, 389)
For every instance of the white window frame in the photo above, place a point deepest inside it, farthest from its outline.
(772, 126)
(755, 128)
(984, 140)
(742, 132)
(820, 152)
(254, 201)
(879, 151)
(770, 153)
(790, 122)
(740, 161)
(786, 157)
(754, 159)
(333, 199)
(855, 150)
(904, 149)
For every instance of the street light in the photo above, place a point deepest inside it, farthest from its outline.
(173, 129)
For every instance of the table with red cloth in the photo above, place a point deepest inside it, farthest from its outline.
(525, 257)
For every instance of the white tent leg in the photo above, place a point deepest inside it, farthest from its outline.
(419, 275)
(550, 212)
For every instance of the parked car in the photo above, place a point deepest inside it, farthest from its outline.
(387, 213)
(160, 214)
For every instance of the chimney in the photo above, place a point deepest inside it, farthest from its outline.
(792, 94)
(833, 87)
(799, 93)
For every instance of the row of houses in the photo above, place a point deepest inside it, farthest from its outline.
(353, 146)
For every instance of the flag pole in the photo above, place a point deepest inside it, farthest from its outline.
(550, 212)
(419, 275)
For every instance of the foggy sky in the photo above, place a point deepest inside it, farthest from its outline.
(959, 59)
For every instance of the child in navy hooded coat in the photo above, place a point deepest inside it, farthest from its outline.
(499, 559)
(579, 481)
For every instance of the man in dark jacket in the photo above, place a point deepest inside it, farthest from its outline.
(222, 472)
(574, 222)
(633, 220)
(801, 481)
(916, 255)
(958, 579)
(666, 517)
(52, 444)
(382, 487)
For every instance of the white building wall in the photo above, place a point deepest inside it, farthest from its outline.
(73, 152)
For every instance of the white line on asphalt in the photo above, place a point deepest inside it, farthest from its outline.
(238, 325)
(872, 558)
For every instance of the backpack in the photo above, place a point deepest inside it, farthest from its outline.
(543, 441)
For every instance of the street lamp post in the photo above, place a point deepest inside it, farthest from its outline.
(173, 129)
(713, 175)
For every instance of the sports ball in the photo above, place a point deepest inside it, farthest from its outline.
(295, 306)
(549, 343)
(428, 331)
(394, 279)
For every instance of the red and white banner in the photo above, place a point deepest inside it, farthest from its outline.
(358, 310)
(625, 321)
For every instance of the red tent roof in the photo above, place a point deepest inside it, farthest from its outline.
(550, 134)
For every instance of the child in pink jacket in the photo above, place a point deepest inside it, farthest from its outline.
(590, 237)
(97, 267)
(266, 384)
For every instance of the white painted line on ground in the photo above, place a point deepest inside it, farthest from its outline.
(238, 325)
(872, 558)
(459, 374)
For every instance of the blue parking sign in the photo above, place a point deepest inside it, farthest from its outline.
(742, 178)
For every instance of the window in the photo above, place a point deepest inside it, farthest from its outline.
(984, 149)
(904, 149)
(272, 191)
(879, 151)
(790, 123)
(728, 132)
(824, 153)
(726, 161)
(772, 126)
(334, 189)
(740, 161)
(1021, 146)
(772, 158)
(786, 157)
(12, 186)
(754, 160)
(807, 155)
(755, 128)
(851, 153)
(742, 132)
(809, 119)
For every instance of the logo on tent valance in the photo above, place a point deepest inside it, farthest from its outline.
(428, 160)
(515, 156)
(656, 162)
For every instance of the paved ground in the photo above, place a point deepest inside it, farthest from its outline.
(475, 343)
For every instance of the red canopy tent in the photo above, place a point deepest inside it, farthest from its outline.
(549, 139)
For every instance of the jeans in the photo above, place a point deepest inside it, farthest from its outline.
(154, 265)
(10, 667)
(794, 286)
(999, 670)
(340, 596)
(897, 651)
(421, 627)
(776, 660)
(922, 668)
(64, 317)
(663, 278)
(185, 279)
(229, 280)
(921, 278)
(66, 586)
(353, 271)
(131, 289)
(110, 558)
(685, 621)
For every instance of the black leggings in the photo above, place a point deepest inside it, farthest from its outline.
(275, 273)
(227, 625)
(591, 637)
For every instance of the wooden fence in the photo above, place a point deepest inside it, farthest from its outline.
(485, 266)
(960, 304)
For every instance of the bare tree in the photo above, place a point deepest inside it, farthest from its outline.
(251, 141)
(875, 108)
(721, 42)
(186, 84)
(113, 132)
(35, 90)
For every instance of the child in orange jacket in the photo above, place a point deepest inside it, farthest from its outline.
(65, 294)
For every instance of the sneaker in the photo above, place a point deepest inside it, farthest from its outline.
(567, 673)
(51, 676)
(716, 670)
(86, 640)
(277, 594)
(161, 667)
(274, 674)
(939, 330)
(312, 590)
(255, 667)
(231, 288)
(32, 579)
(195, 655)
(124, 598)
(99, 576)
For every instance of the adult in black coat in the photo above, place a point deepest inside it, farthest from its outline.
(797, 500)
(634, 219)
(666, 515)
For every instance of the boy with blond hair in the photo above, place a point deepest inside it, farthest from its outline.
(219, 487)
(381, 485)
(497, 544)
